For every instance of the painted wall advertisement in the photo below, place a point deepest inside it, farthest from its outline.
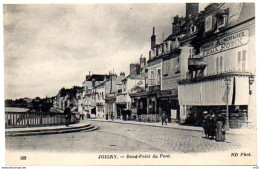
(225, 43)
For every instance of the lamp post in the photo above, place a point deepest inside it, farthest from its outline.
(227, 82)
(250, 114)
(251, 81)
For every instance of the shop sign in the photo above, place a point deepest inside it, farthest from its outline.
(168, 92)
(225, 43)
(154, 89)
(139, 87)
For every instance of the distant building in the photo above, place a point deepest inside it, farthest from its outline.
(94, 86)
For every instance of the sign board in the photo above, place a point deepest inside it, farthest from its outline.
(225, 43)
(173, 114)
(139, 87)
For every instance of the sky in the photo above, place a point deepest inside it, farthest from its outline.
(50, 46)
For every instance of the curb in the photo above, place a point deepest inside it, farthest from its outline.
(51, 131)
(41, 129)
(197, 130)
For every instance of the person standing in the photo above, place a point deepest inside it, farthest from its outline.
(164, 117)
(67, 113)
(220, 128)
(111, 115)
(205, 123)
(212, 126)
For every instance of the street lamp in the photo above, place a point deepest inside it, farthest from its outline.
(251, 81)
(40, 108)
(227, 82)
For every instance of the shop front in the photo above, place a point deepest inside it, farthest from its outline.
(121, 105)
(168, 102)
(214, 95)
(138, 104)
(110, 106)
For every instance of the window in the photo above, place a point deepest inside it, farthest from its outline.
(244, 60)
(241, 60)
(191, 52)
(217, 67)
(167, 68)
(169, 44)
(208, 23)
(219, 64)
(152, 77)
(159, 77)
(222, 20)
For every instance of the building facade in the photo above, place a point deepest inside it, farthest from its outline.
(220, 76)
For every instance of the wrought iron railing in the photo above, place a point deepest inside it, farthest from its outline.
(29, 119)
(148, 118)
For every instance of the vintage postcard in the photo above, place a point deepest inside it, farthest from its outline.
(130, 84)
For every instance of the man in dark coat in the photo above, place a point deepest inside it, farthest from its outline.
(164, 117)
(67, 113)
(205, 123)
(212, 126)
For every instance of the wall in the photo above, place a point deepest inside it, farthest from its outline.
(155, 80)
(229, 55)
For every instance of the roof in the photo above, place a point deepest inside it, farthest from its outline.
(137, 77)
(98, 77)
(16, 109)
(119, 79)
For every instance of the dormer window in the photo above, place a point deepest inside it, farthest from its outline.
(169, 44)
(165, 49)
(191, 53)
(160, 50)
(222, 21)
(222, 17)
(193, 29)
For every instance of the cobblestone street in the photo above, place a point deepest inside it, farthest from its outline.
(115, 137)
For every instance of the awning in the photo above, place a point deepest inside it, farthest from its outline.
(215, 92)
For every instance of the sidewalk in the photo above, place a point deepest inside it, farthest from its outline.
(176, 126)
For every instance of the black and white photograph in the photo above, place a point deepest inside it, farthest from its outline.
(130, 84)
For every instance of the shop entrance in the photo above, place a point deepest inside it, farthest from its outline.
(119, 109)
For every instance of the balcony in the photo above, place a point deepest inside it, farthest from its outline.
(154, 89)
(111, 95)
(196, 63)
(100, 103)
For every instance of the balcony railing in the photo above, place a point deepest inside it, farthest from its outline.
(27, 119)
(196, 63)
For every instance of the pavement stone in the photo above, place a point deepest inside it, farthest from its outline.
(119, 137)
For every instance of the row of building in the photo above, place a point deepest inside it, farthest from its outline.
(206, 64)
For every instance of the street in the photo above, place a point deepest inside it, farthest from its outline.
(116, 137)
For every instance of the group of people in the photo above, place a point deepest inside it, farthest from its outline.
(214, 126)
(111, 116)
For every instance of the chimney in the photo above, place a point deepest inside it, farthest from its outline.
(176, 25)
(142, 61)
(122, 74)
(192, 9)
(153, 39)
